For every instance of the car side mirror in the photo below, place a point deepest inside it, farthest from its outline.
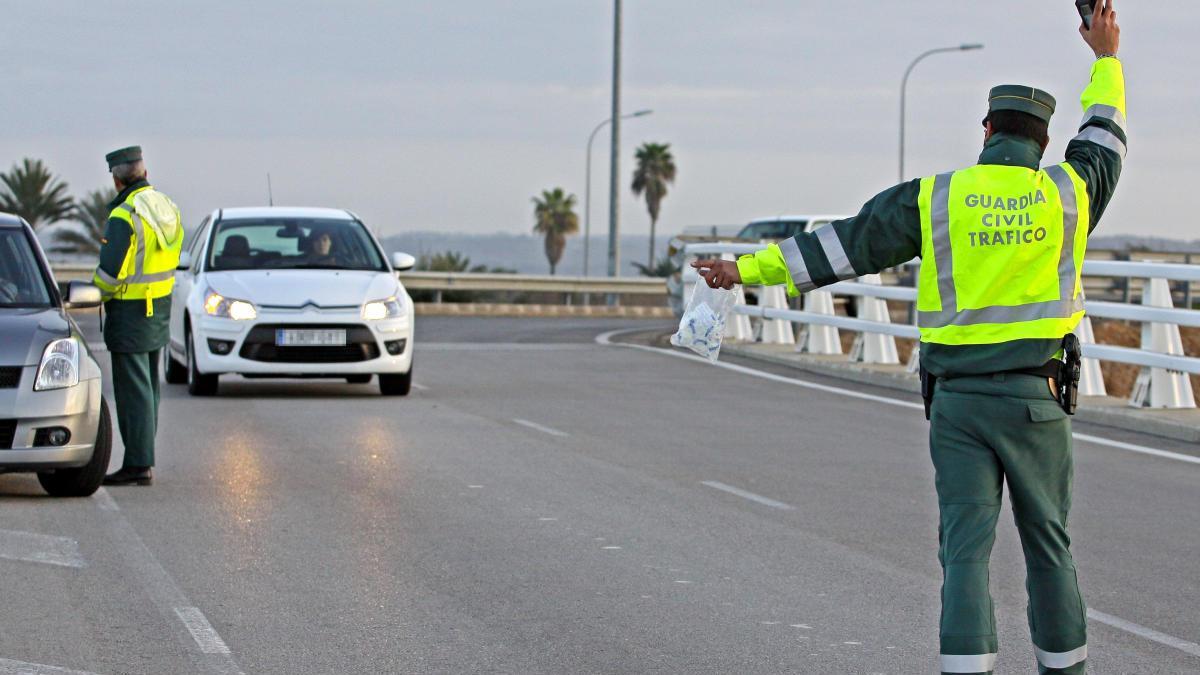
(185, 260)
(403, 261)
(81, 295)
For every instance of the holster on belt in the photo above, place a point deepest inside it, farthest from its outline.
(1068, 374)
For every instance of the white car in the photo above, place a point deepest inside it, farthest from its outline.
(289, 292)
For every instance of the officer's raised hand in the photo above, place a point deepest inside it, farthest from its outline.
(719, 273)
(1104, 37)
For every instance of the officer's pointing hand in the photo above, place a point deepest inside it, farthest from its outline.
(718, 273)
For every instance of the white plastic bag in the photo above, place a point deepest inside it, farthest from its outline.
(703, 324)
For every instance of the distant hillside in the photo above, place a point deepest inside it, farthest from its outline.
(524, 253)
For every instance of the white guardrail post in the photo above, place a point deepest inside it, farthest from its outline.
(775, 331)
(738, 327)
(874, 347)
(1091, 379)
(1159, 387)
(819, 338)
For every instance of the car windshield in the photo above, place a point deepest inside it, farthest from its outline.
(293, 243)
(21, 281)
(775, 229)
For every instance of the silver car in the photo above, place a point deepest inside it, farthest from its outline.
(53, 418)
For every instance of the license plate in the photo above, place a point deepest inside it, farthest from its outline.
(310, 337)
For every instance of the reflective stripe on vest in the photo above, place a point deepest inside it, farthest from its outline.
(133, 281)
(1005, 254)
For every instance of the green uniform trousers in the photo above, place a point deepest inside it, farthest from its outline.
(136, 389)
(985, 430)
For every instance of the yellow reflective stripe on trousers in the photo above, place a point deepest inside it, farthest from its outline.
(1060, 659)
(1105, 112)
(835, 253)
(1068, 303)
(1104, 138)
(968, 663)
(794, 259)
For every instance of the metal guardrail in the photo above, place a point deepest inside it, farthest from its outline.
(1110, 310)
(471, 281)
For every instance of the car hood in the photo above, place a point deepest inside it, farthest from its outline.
(24, 334)
(297, 288)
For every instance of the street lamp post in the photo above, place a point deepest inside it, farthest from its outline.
(587, 190)
(614, 251)
(904, 87)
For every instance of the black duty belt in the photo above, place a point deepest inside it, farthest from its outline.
(1065, 374)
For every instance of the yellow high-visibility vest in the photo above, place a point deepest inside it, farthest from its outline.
(148, 271)
(1001, 254)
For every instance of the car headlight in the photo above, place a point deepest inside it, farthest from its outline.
(389, 308)
(60, 365)
(216, 304)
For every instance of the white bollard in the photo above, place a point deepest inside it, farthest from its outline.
(1091, 380)
(816, 338)
(1159, 387)
(737, 325)
(874, 347)
(775, 331)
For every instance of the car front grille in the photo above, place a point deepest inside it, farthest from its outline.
(260, 345)
(8, 429)
(10, 377)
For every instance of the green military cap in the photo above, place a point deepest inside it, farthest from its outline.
(1024, 99)
(124, 156)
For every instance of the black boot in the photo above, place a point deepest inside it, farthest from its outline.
(130, 475)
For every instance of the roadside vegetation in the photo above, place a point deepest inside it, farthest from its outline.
(555, 219)
(654, 172)
(30, 190)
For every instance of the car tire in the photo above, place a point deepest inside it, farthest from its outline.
(198, 384)
(396, 385)
(358, 379)
(85, 480)
(174, 372)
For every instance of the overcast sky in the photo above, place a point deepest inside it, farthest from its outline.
(451, 115)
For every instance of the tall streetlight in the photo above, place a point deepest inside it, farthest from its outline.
(904, 88)
(587, 190)
(614, 190)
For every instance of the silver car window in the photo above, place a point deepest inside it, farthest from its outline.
(21, 281)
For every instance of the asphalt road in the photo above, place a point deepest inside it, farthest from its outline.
(546, 504)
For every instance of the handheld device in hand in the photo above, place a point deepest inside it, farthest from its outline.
(1086, 9)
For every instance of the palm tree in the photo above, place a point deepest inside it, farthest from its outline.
(92, 213)
(665, 267)
(555, 218)
(655, 168)
(35, 194)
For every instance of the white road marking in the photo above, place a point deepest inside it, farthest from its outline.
(475, 487)
(419, 387)
(105, 501)
(605, 339)
(163, 592)
(610, 548)
(801, 625)
(202, 631)
(767, 501)
(40, 548)
(542, 428)
(682, 581)
(505, 346)
(1148, 633)
(10, 667)
(546, 520)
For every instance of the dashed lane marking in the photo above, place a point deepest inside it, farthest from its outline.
(40, 548)
(541, 427)
(766, 501)
(1142, 631)
(10, 667)
(202, 631)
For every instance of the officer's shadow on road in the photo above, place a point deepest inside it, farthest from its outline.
(236, 387)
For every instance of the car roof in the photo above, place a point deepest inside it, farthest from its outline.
(775, 219)
(285, 212)
(9, 220)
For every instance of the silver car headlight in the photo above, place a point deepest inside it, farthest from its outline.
(216, 304)
(60, 365)
(388, 308)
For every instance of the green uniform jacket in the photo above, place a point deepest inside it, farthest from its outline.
(126, 326)
(887, 233)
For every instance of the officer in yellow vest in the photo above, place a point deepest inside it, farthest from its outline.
(138, 257)
(1001, 246)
